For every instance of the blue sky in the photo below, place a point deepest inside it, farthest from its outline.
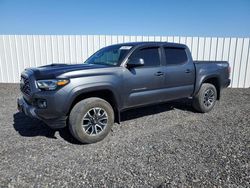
(126, 17)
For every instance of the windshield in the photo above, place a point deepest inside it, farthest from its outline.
(111, 55)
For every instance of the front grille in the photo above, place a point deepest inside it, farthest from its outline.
(25, 85)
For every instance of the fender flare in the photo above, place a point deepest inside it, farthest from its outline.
(86, 88)
(203, 79)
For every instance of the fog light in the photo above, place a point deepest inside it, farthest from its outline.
(42, 103)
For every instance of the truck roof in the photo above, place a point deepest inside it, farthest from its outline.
(169, 44)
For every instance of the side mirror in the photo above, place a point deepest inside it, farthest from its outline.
(135, 62)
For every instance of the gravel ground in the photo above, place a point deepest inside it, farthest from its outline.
(157, 146)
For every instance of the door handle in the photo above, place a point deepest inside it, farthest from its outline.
(188, 71)
(159, 73)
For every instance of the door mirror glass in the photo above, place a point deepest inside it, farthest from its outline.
(135, 62)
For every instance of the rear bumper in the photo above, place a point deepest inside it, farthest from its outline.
(226, 83)
(33, 112)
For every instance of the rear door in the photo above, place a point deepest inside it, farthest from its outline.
(142, 85)
(179, 73)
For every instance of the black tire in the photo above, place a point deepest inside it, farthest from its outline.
(200, 100)
(81, 110)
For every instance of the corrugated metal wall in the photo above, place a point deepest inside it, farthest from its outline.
(20, 51)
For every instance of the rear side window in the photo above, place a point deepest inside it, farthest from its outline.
(149, 55)
(175, 56)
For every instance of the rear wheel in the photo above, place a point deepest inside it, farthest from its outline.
(206, 98)
(91, 120)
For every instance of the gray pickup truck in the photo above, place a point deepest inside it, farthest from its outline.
(89, 97)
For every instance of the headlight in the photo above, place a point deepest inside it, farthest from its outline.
(50, 84)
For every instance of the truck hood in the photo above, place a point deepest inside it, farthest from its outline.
(54, 70)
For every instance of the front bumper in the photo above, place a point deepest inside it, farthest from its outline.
(27, 109)
(33, 112)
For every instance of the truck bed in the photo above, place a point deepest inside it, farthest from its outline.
(219, 69)
(216, 62)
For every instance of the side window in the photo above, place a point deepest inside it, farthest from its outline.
(175, 56)
(149, 55)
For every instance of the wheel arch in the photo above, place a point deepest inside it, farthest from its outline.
(214, 80)
(101, 92)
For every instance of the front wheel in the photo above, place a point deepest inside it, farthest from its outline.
(91, 120)
(206, 98)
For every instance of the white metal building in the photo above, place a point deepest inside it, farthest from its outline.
(21, 51)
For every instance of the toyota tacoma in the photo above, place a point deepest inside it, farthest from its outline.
(89, 97)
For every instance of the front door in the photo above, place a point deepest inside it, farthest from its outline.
(142, 85)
